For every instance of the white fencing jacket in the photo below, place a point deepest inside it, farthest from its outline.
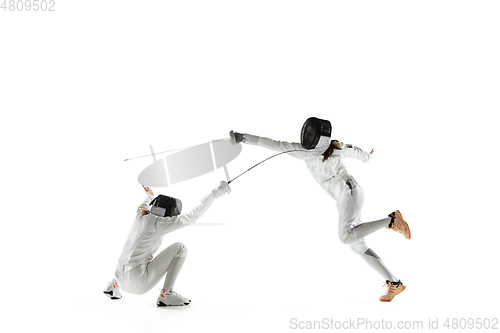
(331, 174)
(148, 231)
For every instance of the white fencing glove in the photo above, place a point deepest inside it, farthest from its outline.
(222, 189)
(235, 138)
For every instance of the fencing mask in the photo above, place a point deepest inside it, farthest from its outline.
(315, 136)
(164, 206)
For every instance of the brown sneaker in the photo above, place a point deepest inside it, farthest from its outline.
(393, 288)
(399, 225)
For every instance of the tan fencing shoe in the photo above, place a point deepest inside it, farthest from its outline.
(399, 225)
(393, 288)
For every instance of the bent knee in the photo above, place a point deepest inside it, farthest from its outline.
(347, 237)
(181, 249)
(358, 247)
(344, 240)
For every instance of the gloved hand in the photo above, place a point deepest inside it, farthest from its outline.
(238, 137)
(222, 189)
(235, 138)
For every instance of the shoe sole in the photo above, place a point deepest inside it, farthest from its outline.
(163, 304)
(110, 295)
(399, 216)
(388, 300)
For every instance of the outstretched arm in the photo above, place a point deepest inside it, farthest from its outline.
(278, 146)
(167, 224)
(349, 150)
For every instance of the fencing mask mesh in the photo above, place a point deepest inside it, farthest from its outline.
(164, 206)
(315, 135)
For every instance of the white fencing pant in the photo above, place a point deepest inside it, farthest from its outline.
(352, 231)
(142, 279)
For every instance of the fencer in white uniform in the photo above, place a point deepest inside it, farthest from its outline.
(137, 271)
(323, 159)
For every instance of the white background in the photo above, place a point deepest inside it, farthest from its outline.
(95, 82)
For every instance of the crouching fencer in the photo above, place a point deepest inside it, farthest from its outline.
(323, 158)
(137, 271)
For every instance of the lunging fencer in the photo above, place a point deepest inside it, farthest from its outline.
(323, 158)
(137, 271)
